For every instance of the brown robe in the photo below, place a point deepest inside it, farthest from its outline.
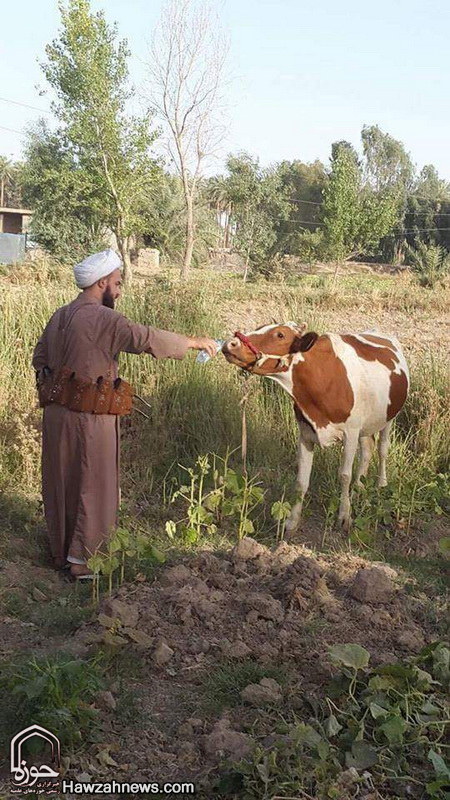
(81, 451)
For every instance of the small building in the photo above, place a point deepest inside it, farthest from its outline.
(14, 220)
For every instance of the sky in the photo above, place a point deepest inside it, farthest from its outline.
(301, 74)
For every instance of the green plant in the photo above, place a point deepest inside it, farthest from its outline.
(383, 729)
(232, 494)
(200, 505)
(244, 494)
(430, 262)
(122, 545)
(56, 691)
(280, 511)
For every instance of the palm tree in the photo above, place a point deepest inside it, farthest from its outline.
(6, 176)
(217, 191)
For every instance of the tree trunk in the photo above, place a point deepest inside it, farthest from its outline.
(124, 249)
(335, 274)
(189, 246)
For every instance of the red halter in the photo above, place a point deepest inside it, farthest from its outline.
(245, 340)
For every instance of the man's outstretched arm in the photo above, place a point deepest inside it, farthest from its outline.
(132, 337)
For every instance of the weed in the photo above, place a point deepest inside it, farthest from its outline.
(231, 494)
(56, 691)
(381, 729)
(223, 686)
(122, 545)
(61, 616)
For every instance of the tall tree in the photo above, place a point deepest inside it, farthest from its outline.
(87, 68)
(355, 216)
(9, 183)
(387, 163)
(303, 184)
(390, 173)
(257, 203)
(67, 205)
(341, 207)
(427, 214)
(185, 70)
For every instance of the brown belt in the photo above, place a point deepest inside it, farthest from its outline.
(100, 397)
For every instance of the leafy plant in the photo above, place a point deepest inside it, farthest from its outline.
(122, 546)
(56, 692)
(280, 512)
(232, 494)
(430, 262)
(381, 728)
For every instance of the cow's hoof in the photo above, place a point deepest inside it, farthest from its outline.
(382, 483)
(359, 484)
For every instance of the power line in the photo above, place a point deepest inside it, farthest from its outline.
(12, 130)
(25, 105)
(413, 196)
(309, 202)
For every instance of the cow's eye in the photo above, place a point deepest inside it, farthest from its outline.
(280, 335)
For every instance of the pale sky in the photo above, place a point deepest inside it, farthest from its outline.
(304, 74)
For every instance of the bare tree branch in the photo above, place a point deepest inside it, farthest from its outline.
(187, 60)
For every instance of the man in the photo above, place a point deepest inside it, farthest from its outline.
(81, 450)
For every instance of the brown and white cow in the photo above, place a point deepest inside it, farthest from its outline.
(346, 387)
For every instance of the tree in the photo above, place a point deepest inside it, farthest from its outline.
(427, 210)
(355, 215)
(187, 60)
(87, 68)
(341, 207)
(390, 172)
(303, 185)
(9, 183)
(387, 163)
(163, 220)
(257, 203)
(67, 206)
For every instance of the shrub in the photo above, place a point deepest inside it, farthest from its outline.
(431, 263)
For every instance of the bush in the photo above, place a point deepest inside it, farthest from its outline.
(56, 692)
(431, 263)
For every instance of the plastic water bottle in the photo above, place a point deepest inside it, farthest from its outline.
(204, 356)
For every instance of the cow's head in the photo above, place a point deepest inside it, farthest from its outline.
(268, 350)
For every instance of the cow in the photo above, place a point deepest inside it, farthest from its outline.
(345, 387)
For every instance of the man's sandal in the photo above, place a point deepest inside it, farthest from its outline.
(81, 576)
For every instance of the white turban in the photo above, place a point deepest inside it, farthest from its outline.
(94, 267)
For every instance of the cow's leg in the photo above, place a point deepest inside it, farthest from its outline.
(366, 444)
(348, 457)
(305, 455)
(383, 447)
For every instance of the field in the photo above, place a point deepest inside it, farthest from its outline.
(142, 676)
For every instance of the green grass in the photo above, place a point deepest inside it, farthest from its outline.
(221, 688)
(194, 409)
(55, 691)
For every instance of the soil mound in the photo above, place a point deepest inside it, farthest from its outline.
(276, 609)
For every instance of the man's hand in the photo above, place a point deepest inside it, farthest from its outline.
(204, 343)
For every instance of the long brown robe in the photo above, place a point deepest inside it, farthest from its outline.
(81, 451)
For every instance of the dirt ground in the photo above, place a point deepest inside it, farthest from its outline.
(278, 609)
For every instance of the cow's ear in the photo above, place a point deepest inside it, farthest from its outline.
(303, 343)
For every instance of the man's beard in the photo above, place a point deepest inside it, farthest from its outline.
(108, 299)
